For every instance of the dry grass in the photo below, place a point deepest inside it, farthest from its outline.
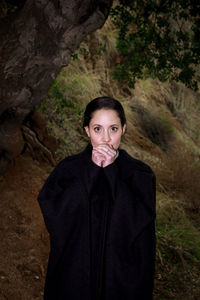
(179, 175)
(185, 107)
(173, 225)
(178, 252)
(154, 124)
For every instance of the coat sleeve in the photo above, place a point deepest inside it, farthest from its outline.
(59, 198)
(50, 195)
(63, 202)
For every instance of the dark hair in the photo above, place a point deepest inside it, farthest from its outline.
(103, 103)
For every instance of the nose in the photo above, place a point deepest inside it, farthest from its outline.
(106, 136)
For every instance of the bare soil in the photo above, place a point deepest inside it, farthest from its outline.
(24, 245)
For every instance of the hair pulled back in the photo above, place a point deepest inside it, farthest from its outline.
(103, 103)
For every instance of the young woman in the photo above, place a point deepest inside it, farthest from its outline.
(99, 209)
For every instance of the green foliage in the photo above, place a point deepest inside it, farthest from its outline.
(8, 7)
(38, 46)
(64, 117)
(159, 39)
(74, 56)
(58, 92)
(62, 105)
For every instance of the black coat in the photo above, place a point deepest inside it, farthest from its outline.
(102, 231)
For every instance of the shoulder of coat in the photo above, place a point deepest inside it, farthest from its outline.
(68, 162)
(134, 163)
(71, 158)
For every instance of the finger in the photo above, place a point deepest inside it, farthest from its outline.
(102, 150)
(113, 148)
(97, 152)
(98, 158)
(107, 153)
(106, 149)
(104, 146)
(98, 155)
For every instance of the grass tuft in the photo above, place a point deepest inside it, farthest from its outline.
(155, 126)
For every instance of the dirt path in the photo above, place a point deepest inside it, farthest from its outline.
(24, 243)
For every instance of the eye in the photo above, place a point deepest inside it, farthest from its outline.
(97, 129)
(114, 128)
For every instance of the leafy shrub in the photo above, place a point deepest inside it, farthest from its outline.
(157, 39)
(58, 92)
(64, 119)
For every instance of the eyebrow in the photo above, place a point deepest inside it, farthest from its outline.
(110, 125)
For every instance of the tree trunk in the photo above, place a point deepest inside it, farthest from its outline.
(34, 46)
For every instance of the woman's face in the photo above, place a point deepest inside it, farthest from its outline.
(105, 128)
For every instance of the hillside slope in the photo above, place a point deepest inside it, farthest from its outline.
(163, 130)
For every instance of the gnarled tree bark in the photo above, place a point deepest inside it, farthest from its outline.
(33, 48)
